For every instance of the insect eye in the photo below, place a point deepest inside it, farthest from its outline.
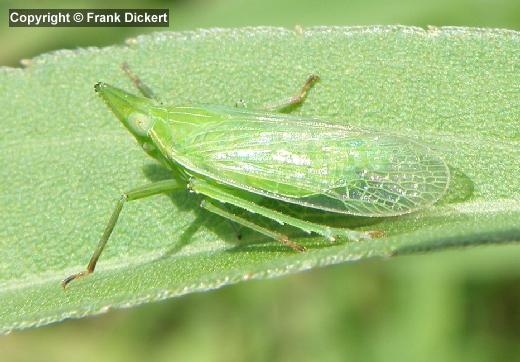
(139, 124)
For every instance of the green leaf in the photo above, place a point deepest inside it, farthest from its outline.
(65, 158)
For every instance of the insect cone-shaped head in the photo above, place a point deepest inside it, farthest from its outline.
(133, 111)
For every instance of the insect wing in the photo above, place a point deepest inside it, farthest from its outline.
(310, 162)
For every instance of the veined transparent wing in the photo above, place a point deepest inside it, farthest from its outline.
(311, 163)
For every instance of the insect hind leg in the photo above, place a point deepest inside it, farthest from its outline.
(212, 207)
(223, 195)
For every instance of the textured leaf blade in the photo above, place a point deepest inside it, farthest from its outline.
(65, 159)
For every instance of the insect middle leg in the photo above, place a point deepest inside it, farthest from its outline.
(294, 100)
(222, 195)
(135, 194)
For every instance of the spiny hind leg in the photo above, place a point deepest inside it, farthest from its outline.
(212, 207)
(223, 195)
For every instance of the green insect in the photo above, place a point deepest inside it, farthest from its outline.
(235, 156)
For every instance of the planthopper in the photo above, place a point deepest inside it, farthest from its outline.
(236, 156)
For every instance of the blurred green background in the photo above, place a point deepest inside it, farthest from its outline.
(451, 306)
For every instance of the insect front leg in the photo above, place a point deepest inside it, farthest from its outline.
(223, 195)
(294, 100)
(135, 194)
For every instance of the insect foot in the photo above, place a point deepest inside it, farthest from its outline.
(352, 235)
(68, 279)
(240, 104)
(294, 246)
(376, 233)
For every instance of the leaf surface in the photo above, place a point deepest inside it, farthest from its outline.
(65, 158)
